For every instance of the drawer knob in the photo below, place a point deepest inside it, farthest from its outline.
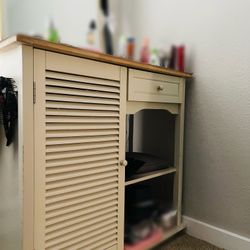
(160, 88)
(123, 163)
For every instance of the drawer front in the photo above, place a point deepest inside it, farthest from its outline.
(153, 87)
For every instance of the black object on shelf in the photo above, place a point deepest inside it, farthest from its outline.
(8, 107)
(172, 62)
(141, 163)
(139, 212)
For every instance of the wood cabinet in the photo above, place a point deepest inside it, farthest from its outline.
(70, 173)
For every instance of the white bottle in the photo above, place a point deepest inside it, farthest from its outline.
(122, 52)
(154, 58)
(92, 36)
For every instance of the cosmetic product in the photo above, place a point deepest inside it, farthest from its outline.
(180, 58)
(163, 58)
(172, 61)
(91, 36)
(122, 46)
(154, 59)
(130, 48)
(53, 33)
(145, 52)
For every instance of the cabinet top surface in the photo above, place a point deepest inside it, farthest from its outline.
(84, 53)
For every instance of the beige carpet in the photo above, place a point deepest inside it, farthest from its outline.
(186, 242)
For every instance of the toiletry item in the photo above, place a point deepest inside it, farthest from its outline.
(130, 48)
(53, 33)
(180, 58)
(91, 36)
(168, 219)
(163, 58)
(107, 36)
(172, 61)
(154, 59)
(122, 46)
(145, 52)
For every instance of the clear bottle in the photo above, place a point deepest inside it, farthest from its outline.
(154, 58)
(91, 36)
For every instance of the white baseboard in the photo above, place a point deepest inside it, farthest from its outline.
(216, 236)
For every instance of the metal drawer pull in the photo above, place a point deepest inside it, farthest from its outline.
(160, 88)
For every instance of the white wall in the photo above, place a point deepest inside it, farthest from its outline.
(70, 17)
(1, 18)
(217, 146)
(32, 17)
(11, 173)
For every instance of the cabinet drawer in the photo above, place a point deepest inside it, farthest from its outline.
(153, 87)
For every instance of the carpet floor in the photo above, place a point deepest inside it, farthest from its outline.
(185, 242)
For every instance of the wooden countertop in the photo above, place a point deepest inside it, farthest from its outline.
(75, 51)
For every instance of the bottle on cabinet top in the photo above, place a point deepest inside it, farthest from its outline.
(92, 37)
(145, 52)
(53, 35)
(122, 46)
(130, 48)
(154, 58)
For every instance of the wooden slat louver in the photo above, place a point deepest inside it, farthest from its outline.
(82, 157)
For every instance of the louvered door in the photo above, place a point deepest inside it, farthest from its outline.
(79, 144)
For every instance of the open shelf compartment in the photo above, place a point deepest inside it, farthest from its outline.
(150, 192)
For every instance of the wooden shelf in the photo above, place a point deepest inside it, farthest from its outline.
(168, 234)
(148, 176)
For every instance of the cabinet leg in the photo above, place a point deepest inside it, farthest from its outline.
(179, 137)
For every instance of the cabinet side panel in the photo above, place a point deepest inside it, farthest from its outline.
(10, 169)
(26, 156)
(39, 146)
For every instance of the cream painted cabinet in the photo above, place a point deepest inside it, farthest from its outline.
(63, 178)
(79, 144)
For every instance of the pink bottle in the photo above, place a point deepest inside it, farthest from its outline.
(145, 52)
